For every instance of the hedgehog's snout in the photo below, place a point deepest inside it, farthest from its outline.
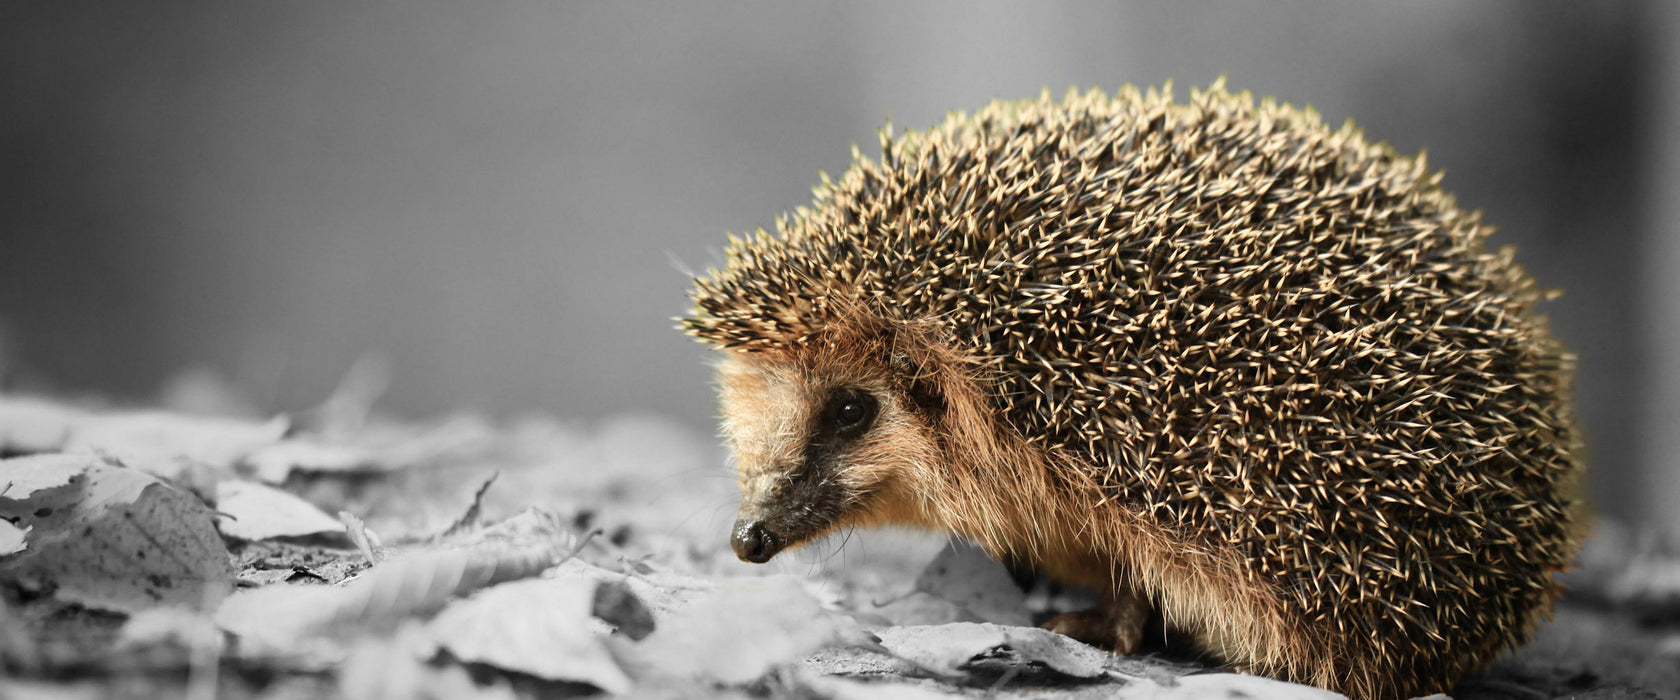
(753, 542)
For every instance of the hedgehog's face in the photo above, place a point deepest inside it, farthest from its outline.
(818, 447)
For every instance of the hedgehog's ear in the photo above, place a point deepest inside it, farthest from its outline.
(918, 384)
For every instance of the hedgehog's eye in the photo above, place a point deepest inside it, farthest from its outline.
(850, 412)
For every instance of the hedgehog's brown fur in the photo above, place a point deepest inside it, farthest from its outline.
(1261, 372)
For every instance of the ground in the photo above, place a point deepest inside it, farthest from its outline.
(197, 547)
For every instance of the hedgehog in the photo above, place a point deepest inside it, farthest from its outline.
(1221, 363)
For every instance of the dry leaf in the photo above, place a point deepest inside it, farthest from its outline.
(28, 426)
(165, 625)
(542, 627)
(663, 593)
(459, 436)
(283, 619)
(392, 668)
(202, 391)
(11, 538)
(51, 689)
(950, 650)
(114, 538)
(25, 477)
(525, 527)
(273, 463)
(251, 511)
(385, 668)
(1650, 584)
(885, 688)
(351, 403)
(617, 605)
(965, 575)
(165, 444)
(19, 652)
(41, 491)
(380, 448)
(253, 578)
(742, 630)
(914, 608)
(1226, 685)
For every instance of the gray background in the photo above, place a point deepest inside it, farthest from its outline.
(499, 198)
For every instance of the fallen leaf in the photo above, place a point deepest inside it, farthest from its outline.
(350, 405)
(629, 469)
(273, 463)
(283, 619)
(114, 538)
(742, 630)
(950, 650)
(165, 444)
(525, 527)
(1227, 685)
(12, 538)
(384, 668)
(965, 575)
(459, 436)
(264, 577)
(664, 593)
(542, 627)
(202, 391)
(166, 625)
(916, 608)
(40, 492)
(392, 668)
(49, 689)
(28, 425)
(859, 661)
(20, 653)
(886, 688)
(1650, 584)
(618, 606)
(376, 449)
(251, 511)
(22, 478)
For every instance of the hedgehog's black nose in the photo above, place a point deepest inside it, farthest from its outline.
(753, 543)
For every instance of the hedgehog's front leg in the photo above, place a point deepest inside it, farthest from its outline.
(1116, 624)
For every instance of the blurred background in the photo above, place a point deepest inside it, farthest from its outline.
(501, 199)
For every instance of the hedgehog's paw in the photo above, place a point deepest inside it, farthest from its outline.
(1116, 624)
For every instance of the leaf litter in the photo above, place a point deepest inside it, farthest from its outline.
(339, 553)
